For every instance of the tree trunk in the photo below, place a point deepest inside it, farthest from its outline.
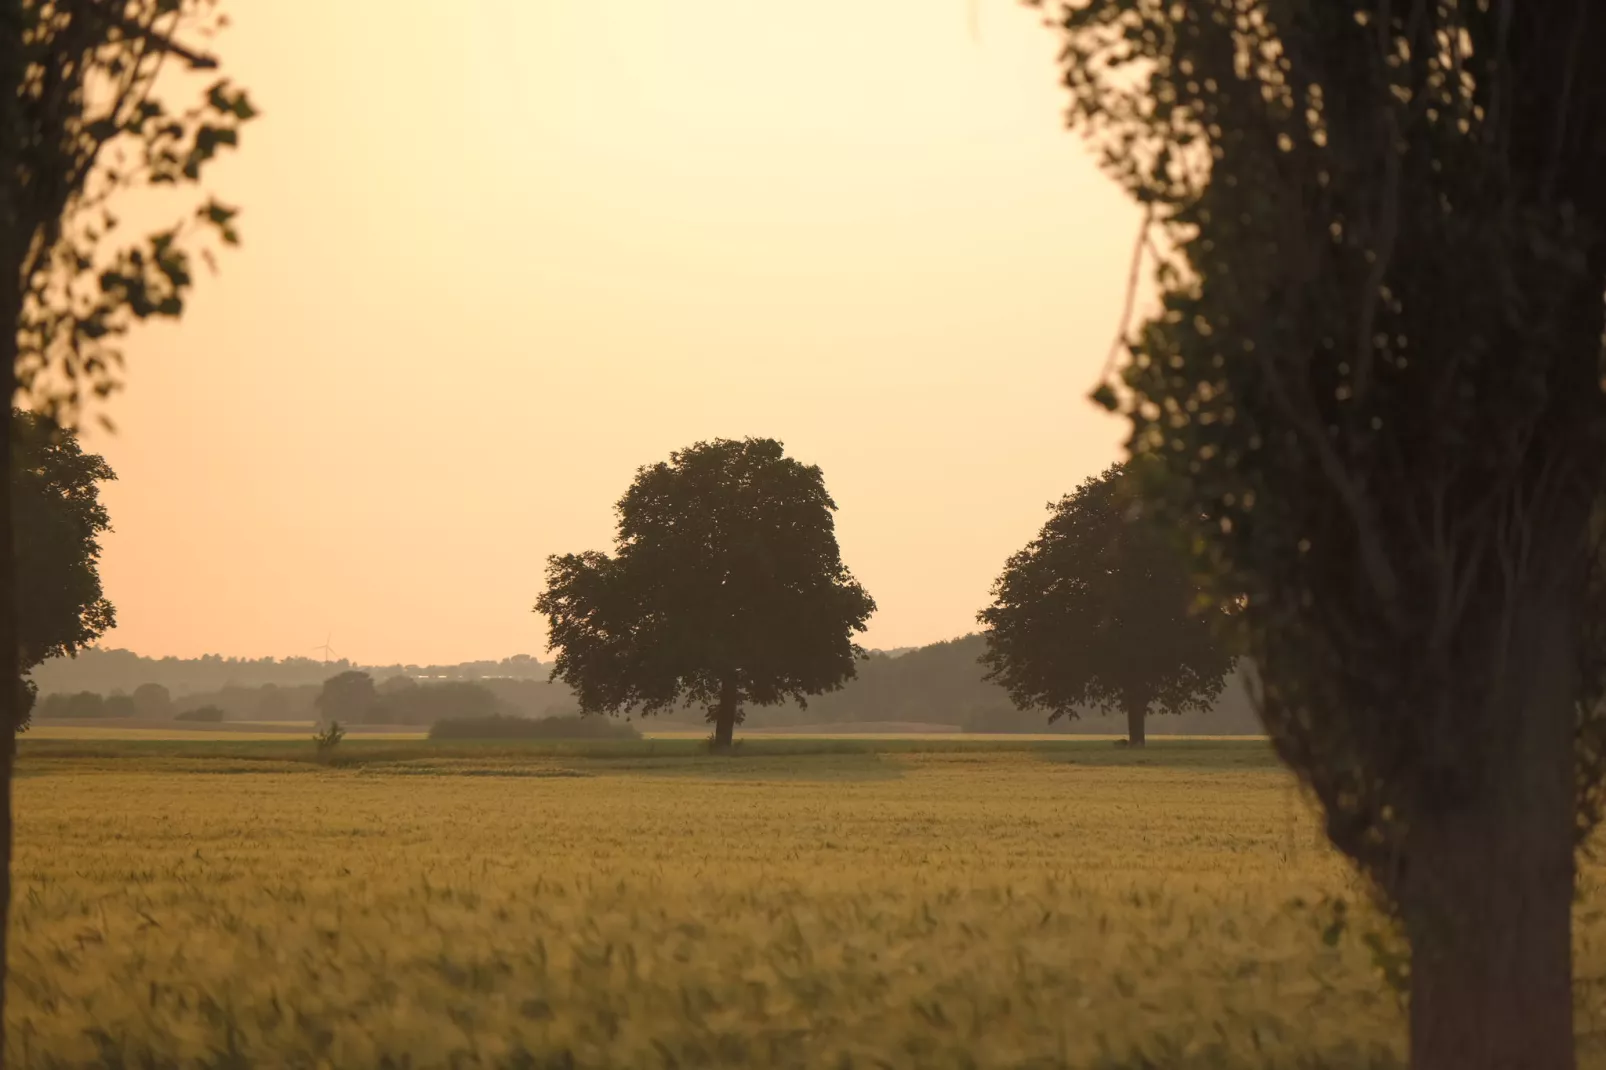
(12, 244)
(725, 717)
(1488, 886)
(1135, 716)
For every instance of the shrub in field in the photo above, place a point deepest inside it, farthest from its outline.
(496, 726)
(328, 739)
(204, 714)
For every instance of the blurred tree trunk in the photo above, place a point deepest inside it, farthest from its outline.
(725, 716)
(1135, 716)
(11, 291)
(1488, 885)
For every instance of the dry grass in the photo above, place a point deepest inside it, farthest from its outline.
(950, 908)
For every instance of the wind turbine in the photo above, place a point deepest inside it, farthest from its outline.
(326, 648)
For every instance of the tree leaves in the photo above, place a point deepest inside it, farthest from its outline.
(96, 125)
(1099, 610)
(58, 518)
(726, 569)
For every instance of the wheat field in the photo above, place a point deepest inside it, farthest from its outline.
(1040, 907)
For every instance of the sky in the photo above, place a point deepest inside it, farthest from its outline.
(498, 254)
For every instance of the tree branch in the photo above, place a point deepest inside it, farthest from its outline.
(106, 12)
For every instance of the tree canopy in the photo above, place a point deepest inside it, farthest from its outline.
(726, 587)
(347, 696)
(1373, 396)
(55, 496)
(1101, 610)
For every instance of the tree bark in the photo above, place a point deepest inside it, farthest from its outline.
(725, 716)
(11, 290)
(1488, 887)
(1135, 716)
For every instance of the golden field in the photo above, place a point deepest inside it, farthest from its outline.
(1066, 905)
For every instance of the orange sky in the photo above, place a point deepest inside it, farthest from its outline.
(499, 253)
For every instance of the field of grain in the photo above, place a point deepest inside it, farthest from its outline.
(1055, 905)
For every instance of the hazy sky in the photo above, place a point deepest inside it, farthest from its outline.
(499, 253)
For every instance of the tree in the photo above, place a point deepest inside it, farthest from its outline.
(1373, 393)
(1100, 609)
(81, 121)
(153, 701)
(346, 696)
(727, 587)
(55, 499)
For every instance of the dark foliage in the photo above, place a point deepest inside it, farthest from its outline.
(429, 703)
(55, 501)
(347, 696)
(203, 714)
(153, 700)
(85, 705)
(497, 726)
(1100, 610)
(1373, 395)
(727, 587)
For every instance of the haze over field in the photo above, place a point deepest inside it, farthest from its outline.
(594, 233)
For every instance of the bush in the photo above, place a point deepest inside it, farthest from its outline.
(207, 714)
(496, 726)
(327, 740)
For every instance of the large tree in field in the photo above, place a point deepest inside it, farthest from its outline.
(1102, 610)
(1374, 392)
(55, 499)
(81, 122)
(727, 588)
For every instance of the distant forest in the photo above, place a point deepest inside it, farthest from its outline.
(940, 684)
(110, 671)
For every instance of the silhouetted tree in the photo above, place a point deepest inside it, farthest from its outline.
(1374, 391)
(81, 120)
(119, 706)
(55, 500)
(346, 696)
(153, 700)
(727, 587)
(1101, 610)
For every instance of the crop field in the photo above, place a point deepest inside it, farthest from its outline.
(856, 904)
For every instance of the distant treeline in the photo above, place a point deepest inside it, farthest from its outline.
(942, 684)
(109, 671)
(421, 703)
(937, 684)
